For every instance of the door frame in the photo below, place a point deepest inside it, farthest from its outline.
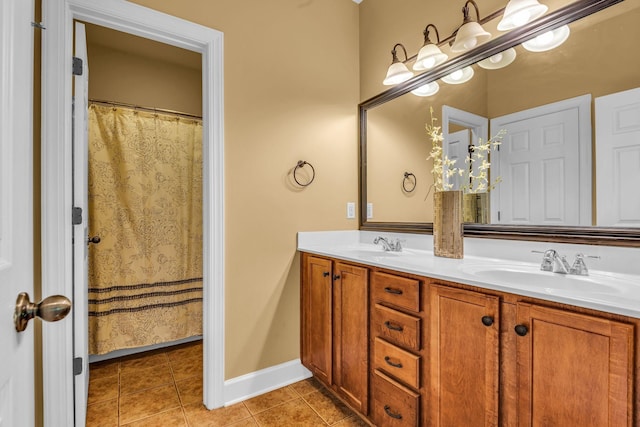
(57, 253)
(478, 125)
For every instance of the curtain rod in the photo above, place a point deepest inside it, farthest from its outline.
(148, 109)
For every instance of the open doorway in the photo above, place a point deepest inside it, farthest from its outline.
(145, 192)
(57, 186)
(144, 213)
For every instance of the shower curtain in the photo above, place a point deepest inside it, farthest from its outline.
(145, 204)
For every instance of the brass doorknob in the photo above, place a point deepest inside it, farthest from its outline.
(51, 309)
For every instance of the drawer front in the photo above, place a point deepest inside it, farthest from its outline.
(396, 327)
(393, 404)
(396, 362)
(395, 290)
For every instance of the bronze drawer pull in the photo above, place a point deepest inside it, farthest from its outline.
(393, 291)
(393, 327)
(390, 363)
(387, 409)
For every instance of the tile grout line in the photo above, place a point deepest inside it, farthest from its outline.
(313, 409)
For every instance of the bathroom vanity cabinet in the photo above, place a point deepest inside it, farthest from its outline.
(335, 318)
(407, 350)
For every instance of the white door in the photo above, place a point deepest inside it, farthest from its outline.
(544, 163)
(618, 159)
(456, 147)
(16, 209)
(80, 252)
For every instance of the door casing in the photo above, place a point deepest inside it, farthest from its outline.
(57, 253)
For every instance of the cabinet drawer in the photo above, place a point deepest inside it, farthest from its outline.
(393, 404)
(397, 327)
(395, 290)
(396, 362)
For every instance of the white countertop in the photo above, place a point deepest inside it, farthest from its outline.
(613, 284)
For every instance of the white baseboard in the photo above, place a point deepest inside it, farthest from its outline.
(129, 351)
(255, 383)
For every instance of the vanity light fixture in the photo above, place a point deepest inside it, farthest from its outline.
(520, 12)
(397, 72)
(430, 54)
(427, 90)
(547, 41)
(499, 60)
(470, 34)
(462, 75)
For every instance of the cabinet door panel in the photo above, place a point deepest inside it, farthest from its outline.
(317, 328)
(574, 369)
(463, 358)
(351, 326)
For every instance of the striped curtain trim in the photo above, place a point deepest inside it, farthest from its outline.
(144, 285)
(142, 296)
(144, 307)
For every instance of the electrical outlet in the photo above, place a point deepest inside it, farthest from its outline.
(351, 210)
(369, 210)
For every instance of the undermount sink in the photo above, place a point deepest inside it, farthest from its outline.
(532, 276)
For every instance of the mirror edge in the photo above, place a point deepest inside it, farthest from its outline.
(610, 236)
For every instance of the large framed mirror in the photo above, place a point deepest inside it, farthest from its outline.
(570, 112)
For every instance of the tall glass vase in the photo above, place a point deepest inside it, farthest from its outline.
(447, 224)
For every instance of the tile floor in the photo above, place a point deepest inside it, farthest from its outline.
(164, 388)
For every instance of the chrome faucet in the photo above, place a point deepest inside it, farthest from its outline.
(388, 246)
(579, 267)
(556, 263)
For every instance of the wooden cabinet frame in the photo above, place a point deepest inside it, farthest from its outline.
(562, 345)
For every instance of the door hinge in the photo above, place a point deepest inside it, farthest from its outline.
(77, 365)
(38, 25)
(498, 215)
(77, 66)
(76, 216)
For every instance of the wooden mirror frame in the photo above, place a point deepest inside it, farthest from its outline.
(612, 236)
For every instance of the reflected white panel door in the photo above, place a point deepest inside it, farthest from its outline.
(80, 252)
(618, 159)
(16, 209)
(544, 162)
(456, 147)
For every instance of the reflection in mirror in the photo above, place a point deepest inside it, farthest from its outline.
(599, 58)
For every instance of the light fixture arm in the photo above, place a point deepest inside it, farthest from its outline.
(465, 12)
(427, 40)
(395, 54)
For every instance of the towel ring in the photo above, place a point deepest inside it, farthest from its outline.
(413, 183)
(300, 165)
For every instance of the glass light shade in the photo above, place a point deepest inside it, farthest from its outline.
(469, 36)
(459, 76)
(397, 73)
(520, 12)
(427, 90)
(549, 40)
(429, 56)
(499, 60)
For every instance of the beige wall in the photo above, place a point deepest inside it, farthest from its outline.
(291, 91)
(120, 76)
